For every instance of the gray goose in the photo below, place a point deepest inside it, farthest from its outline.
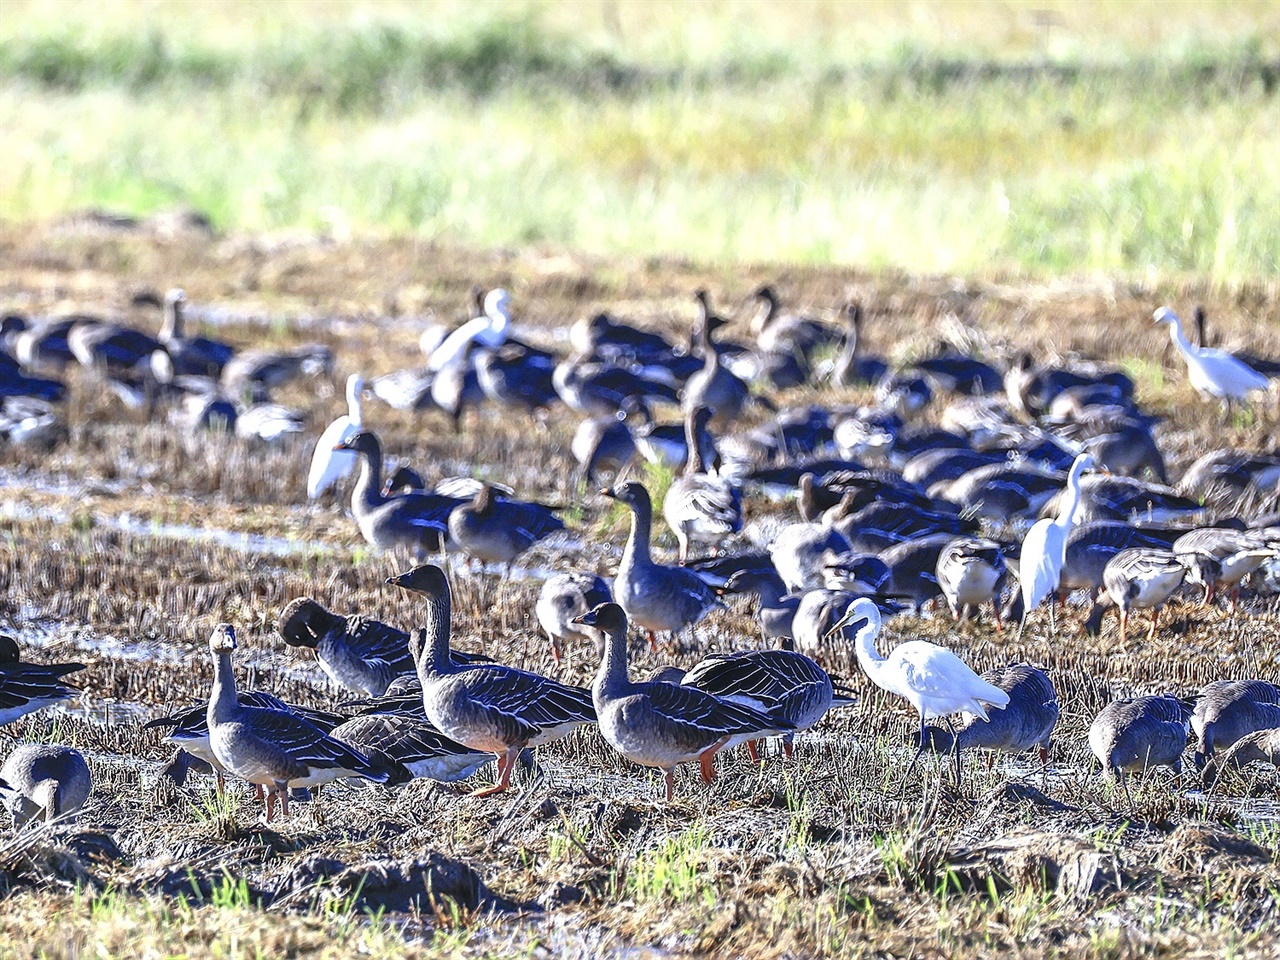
(1142, 578)
(777, 608)
(497, 531)
(44, 778)
(972, 571)
(664, 724)
(416, 522)
(272, 749)
(1140, 732)
(28, 687)
(1261, 745)
(194, 356)
(1227, 710)
(779, 683)
(701, 506)
(563, 597)
(713, 386)
(1026, 722)
(264, 370)
(357, 652)
(412, 745)
(1237, 552)
(188, 729)
(657, 598)
(486, 707)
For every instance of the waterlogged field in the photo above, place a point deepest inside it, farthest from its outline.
(123, 545)
(1036, 138)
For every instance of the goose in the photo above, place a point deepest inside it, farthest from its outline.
(404, 389)
(1044, 548)
(268, 422)
(196, 356)
(329, 465)
(879, 526)
(1000, 491)
(1262, 746)
(1227, 474)
(517, 377)
(1142, 578)
(799, 553)
(272, 749)
(1026, 722)
(913, 568)
(488, 330)
(15, 382)
(486, 707)
(818, 613)
(972, 571)
(1212, 372)
(601, 334)
(416, 522)
(188, 729)
(563, 597)
(603, 443)
(778, 683)
(957, 373)
(1103, 497)
(403, 479)
(1031, 392)
(1267, 366)
(850, 367)
(412, 745)
(1138, 733)
(603, 390)
(494, 530)
(357, 652)
(1228, 710)
(655, 597)
(863, 574)
(1127, 450)
(111, 347)
(455, 389)
(700, 506)
(664, 724)
(777, 609)
(931, 678)
(903, 394)
(790, 334)
(43, 345)
(1238, 553)
(854, 490)
(714, 386)
(44, 778)
(28, 687)
(266, 370)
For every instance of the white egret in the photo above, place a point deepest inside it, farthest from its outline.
(1044, 549)
(328, 465)
(931, 678)
(489, 330)
(1213, 372)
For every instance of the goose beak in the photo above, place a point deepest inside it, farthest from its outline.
(609, 492)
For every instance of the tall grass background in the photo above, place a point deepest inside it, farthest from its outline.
(968, 136)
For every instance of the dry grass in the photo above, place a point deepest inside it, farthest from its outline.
(823, 856)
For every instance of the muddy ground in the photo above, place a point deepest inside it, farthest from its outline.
(122, 546)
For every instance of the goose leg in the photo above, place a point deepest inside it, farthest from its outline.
(505, 762)
(271, 805)
(753, 752)
(653, 642)
(995, 608)
(788, 746)
(219, 781)
(283, 790)
(707, 762)
(670, 778)
(1124, 625)
(1155, 618)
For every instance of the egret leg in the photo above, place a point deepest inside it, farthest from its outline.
(919, 750)
(1022, 626)
(955, 748)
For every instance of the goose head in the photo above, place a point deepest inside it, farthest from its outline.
(632, 493)
(223, 639)
(8, 649)
(362, 442)
(425, 578)
(303, 621)
(607, 619)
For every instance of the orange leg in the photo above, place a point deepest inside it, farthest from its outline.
(505, 762)
(653, 643)
(284, 800)
(995, 607)
(555, 650)
(271, 805)
(670, 779)
(1155, 618)
(753, 752)
(788, 749)
(708, 764)
(1124, 625)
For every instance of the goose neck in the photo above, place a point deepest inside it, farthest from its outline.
(611, 679)
(223, 705)
(636, 552)
(367, 492)
(436, 659)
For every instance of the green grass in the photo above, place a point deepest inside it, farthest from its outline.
(1137, 141)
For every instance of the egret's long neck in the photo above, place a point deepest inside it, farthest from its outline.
(611, 679)
(355, 409)
(1070, 499)
(693, 440)
(172, 326)
(501, 317)
(636, 551)
(435, 649)
(868, 657)
(1179, 338)
(223, 704)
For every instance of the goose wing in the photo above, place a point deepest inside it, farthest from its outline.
(306, 743)
(23, 683)
(698, 711)
(529, 698)
(379, 643)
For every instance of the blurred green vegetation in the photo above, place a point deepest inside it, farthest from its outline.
(1013, 137)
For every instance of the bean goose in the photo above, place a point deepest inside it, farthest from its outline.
(972, 571)
(700, 506)
(273, 749)
(494, 530)
(664, 724)
(44, 778)
(1138, 733)
(1142, 578)
(486, 707)
(656, 597)
(563, 597)
(412, 745)
(28, 687)
(1227, 710)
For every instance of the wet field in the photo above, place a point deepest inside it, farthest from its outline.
(123, 544)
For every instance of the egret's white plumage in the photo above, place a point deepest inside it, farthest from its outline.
(931, 678)
(489, 331)
(1213, 372)
(328, 465)
(1044, 549)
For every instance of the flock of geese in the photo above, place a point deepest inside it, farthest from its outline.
(1050, 476)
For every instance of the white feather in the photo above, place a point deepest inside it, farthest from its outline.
(328, 465)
